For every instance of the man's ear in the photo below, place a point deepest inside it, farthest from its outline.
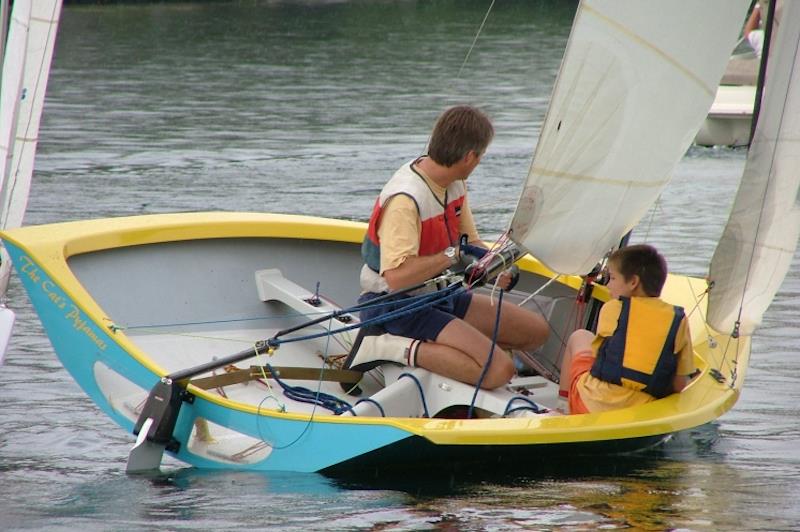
(471, 156)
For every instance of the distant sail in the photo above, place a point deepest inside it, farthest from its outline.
(12, 77)
(759, 241)
(31, 41)
(635, 84)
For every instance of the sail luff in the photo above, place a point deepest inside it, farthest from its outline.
(761, 235)
(633, 89)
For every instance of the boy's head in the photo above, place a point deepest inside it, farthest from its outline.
(640, 265)
(458, 131)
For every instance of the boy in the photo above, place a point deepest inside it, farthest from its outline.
(642, 350)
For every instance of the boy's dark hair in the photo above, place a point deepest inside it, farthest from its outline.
(642, 260)
(458, 131)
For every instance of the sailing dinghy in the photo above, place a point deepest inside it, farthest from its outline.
(219, 337)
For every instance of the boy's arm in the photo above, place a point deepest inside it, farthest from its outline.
(679, 382)
(685, 358)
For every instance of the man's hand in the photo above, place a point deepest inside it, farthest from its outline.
(508, 278)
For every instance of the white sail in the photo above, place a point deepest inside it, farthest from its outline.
(635, 84)
(29, 53)
(11, 88)
(760, 238)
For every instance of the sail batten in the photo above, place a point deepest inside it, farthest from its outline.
(633, 88)
(597, 179)
(646, 43)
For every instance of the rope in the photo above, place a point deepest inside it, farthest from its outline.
(656, 206)
(531, 405)
(710, 340)
(489, 358)
(366, 400)
(475, 39)
(422, 299)
(304, 395)
(313, 410)
(213, 322)
(421, 393)
(540, 289)
(265, 380)
(426, 300)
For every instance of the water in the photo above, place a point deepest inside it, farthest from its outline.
(308, 107)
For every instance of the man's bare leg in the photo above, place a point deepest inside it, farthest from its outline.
(520, 328)
(461, 352)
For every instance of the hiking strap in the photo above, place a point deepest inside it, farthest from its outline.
(239, 376)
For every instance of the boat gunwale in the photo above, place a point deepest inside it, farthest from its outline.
(51, 246)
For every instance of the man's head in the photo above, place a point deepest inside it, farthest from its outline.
(638, 266)
(458, 131)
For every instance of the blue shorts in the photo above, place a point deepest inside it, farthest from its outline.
(423, 324)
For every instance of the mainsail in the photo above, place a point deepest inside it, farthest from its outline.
(760, 238)
(26, 67)
(635, 84)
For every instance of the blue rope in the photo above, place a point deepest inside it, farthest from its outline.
(520, 408)
(366, 400)
(304, 395)
(489, 358)
(351, 310)
(531, 405)
(426, 300)
(421, 393)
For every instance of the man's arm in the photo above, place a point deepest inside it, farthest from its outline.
(753, 22)
(399, 233)
(415, 270)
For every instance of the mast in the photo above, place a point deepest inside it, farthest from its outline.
(4, 6)
(762, 68)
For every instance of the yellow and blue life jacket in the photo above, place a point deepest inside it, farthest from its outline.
(646, 361)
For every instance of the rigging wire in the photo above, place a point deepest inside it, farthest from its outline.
(477, 34)
(310, 418)
(427, 300)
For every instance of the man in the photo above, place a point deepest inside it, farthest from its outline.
(414, 235)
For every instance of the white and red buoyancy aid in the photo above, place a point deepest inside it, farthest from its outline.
(439, 221)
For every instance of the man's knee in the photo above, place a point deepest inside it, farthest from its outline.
(536, 330)
(500, 371)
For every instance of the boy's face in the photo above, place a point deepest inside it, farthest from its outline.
(617, 285)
